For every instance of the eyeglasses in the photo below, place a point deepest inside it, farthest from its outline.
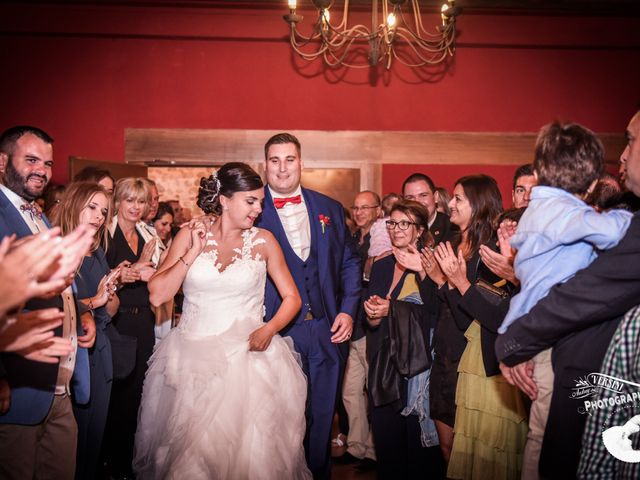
(402, 224)
(363, 207)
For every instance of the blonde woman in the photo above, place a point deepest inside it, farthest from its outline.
(132, 245)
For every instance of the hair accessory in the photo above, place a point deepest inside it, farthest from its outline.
(217, 180)
(212, 192)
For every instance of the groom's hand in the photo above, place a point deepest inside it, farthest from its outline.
(342, 328)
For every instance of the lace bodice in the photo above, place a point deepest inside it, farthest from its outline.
(216, 299)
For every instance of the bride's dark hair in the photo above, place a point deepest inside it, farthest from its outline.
(230, 178)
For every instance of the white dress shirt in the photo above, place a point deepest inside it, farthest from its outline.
(34, 223)
(295, 221)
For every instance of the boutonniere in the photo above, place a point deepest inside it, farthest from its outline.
(324, 221)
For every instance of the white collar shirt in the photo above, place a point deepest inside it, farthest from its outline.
(295, 221)
(34, 223)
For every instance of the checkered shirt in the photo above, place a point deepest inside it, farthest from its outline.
(622, 360)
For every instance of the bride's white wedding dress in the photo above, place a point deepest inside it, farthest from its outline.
(211, 408)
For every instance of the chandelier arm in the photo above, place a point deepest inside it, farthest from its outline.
(339, 60)
(315, 33)
(337, 43)
(309, 56)
(343, 63)
(431, 60)
(302, 44)
(420, 26)
(427, 46)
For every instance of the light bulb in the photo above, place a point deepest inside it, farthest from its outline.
(391, 20)
(292, 4)
(326, 15)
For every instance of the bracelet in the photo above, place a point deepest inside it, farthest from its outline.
(182, 260)
(91, 304)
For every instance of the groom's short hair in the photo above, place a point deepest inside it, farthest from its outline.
(281, 138)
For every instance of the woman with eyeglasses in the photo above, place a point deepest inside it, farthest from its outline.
(401, 314)
(468, 393)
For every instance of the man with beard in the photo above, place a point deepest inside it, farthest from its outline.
(37, 427)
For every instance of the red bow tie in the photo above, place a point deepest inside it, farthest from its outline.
(32, 208)
(281, 202)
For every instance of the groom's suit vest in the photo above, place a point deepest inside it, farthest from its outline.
(307, 279)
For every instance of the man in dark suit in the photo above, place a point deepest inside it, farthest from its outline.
(578, 319)
(311, 230)
(420, 188)
(38, 430)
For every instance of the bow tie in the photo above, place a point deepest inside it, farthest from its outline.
(281, 202)
(32, 208)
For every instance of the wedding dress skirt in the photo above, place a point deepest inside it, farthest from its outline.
(211, 409)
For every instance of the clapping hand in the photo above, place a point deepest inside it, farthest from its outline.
(501, 263)
(106, 288)
(431, 267)
(453, 266)
(145, 270)
(74, 247)
(30, 328)
(409, 258)
(147, 251)
(128, 274)
(376, 307)
(22, 269)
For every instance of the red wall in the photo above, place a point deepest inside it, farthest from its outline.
(86, 73)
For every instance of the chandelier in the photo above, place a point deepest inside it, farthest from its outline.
(397, 38)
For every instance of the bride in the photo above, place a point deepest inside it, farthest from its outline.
(224, 396)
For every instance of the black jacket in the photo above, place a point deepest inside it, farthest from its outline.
(578, 318)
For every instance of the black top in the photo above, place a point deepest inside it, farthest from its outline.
(449, 338)
(134, 294)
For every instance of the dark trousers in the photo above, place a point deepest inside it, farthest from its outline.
(92, 417)
(321, 363)
(126, 394)
(399, 451)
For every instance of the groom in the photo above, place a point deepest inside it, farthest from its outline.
(311, 230)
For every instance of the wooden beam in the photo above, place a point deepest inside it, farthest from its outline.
(329, 149)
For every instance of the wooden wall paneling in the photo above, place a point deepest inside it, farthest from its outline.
(117, 170)
(191, 146)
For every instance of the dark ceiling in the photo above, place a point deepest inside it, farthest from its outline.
(527, 7)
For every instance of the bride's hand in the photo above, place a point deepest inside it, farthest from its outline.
(260, 339)
(198, 236)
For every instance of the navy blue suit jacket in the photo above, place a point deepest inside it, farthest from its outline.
(338, 260)
(33, 383)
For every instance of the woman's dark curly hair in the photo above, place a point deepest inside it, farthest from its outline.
(230, 178)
